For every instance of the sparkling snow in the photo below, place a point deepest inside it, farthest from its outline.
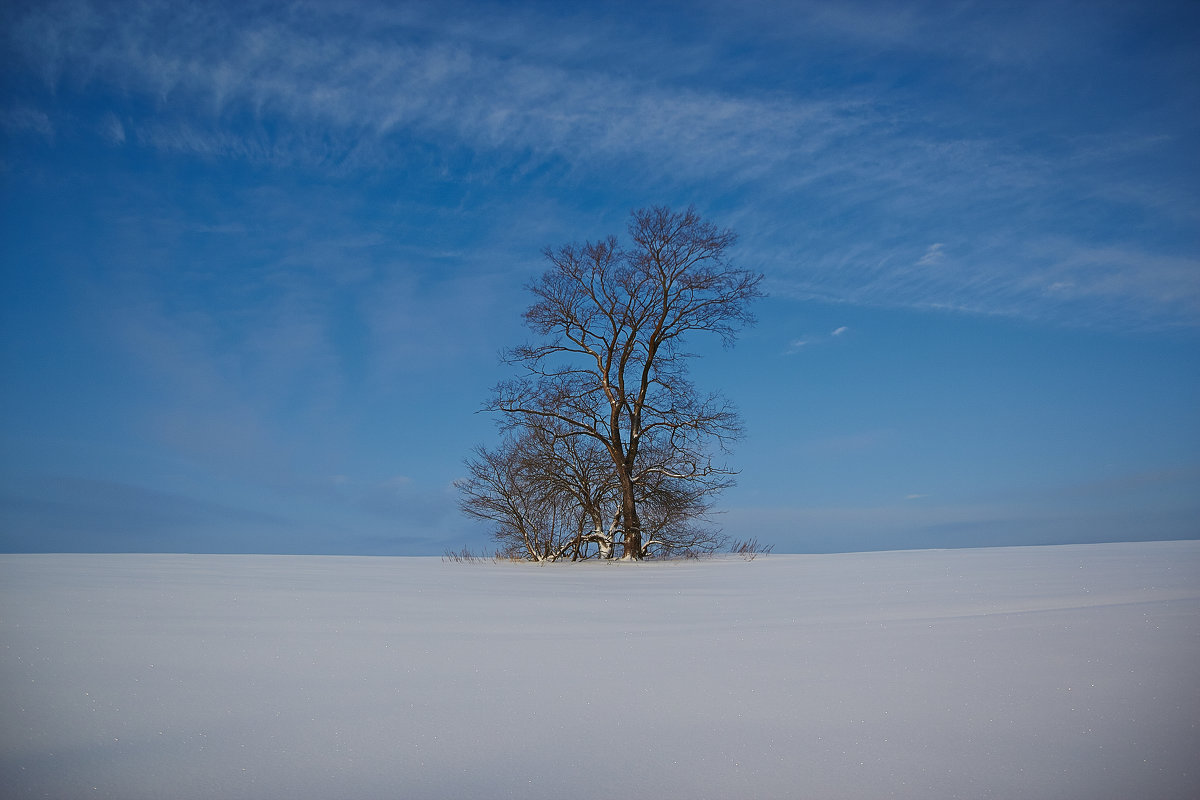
(1054, 672)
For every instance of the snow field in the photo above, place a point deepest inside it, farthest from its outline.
(1055, 672)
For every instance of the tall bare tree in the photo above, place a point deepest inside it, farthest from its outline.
(612, 368)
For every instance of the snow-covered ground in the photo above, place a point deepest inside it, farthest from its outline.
(1055, 672)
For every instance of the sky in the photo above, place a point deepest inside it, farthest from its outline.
(259, 260)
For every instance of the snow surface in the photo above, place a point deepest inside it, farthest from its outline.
(1053, 672)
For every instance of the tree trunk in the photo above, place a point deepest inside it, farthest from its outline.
(603, 543)
(633, 526)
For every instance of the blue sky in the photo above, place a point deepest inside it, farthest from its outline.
(259, 259)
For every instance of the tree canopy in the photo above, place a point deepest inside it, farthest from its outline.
(608, 444)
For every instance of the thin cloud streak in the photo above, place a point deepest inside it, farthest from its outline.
(359, 85)
(377, 78)
(796, 345)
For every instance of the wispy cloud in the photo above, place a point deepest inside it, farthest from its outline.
(933, 255)
(796, 345)
(348, 90)
(22, 119)
(880, 173)
(288, 316)
(112, 129)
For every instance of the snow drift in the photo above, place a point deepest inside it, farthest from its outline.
(1054, 672)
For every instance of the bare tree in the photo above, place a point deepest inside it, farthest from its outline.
(612, 372)
(543, 503)
(552, 497)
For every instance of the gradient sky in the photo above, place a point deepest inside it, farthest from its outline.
(259, 259)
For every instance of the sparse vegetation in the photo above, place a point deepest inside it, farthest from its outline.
(750, 549)
(466, 556)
